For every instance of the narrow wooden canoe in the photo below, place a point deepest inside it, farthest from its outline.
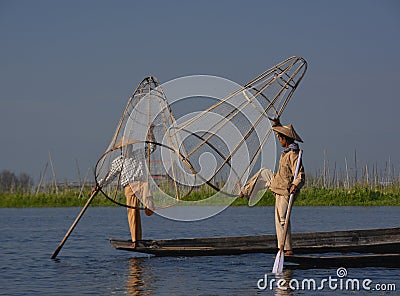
(360, 241)
(348, 261)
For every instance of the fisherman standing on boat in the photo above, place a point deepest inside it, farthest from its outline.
(282, 184)
(133, 178)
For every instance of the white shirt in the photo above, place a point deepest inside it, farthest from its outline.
(131, 168)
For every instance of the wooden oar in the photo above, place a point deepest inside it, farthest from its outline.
(280, 257)
(94, 192)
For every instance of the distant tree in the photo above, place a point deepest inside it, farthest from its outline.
(25, 182)
(9, 182)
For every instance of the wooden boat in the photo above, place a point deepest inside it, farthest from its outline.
(353, 261)
(361, 241)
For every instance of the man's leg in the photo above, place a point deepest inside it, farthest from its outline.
(134, 221)
(259, 181)
(148, 200)
(281, 205)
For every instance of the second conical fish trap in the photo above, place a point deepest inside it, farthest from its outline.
(235, 133)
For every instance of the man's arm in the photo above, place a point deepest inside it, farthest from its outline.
(116, 167)
(299, 181)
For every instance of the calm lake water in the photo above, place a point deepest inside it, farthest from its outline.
(88, 265)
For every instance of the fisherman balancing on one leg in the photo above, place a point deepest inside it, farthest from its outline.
(283, 183)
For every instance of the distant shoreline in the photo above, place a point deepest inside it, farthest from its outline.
(357, 196)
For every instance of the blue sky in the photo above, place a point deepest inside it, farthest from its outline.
(67, 69)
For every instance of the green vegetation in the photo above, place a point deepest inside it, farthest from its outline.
(357, 196)
(360, 184)
(64, 199)
(318, 196)
(309, 196)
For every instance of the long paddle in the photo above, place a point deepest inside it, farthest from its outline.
(94, 192)
(280, 257)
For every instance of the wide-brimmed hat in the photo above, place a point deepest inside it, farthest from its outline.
(288, 131)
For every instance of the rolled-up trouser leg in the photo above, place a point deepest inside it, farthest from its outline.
(281, 205)
(134, 222)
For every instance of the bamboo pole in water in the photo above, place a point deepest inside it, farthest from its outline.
(94, 192)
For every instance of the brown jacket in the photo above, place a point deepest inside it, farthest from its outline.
(283, 179)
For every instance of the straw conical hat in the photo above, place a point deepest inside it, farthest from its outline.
(288, 131)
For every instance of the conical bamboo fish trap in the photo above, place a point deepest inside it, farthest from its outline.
(143, 134)
(238, 133)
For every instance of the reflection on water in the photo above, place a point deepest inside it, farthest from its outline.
(135, 284)
(140, 278)
(283, 280)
